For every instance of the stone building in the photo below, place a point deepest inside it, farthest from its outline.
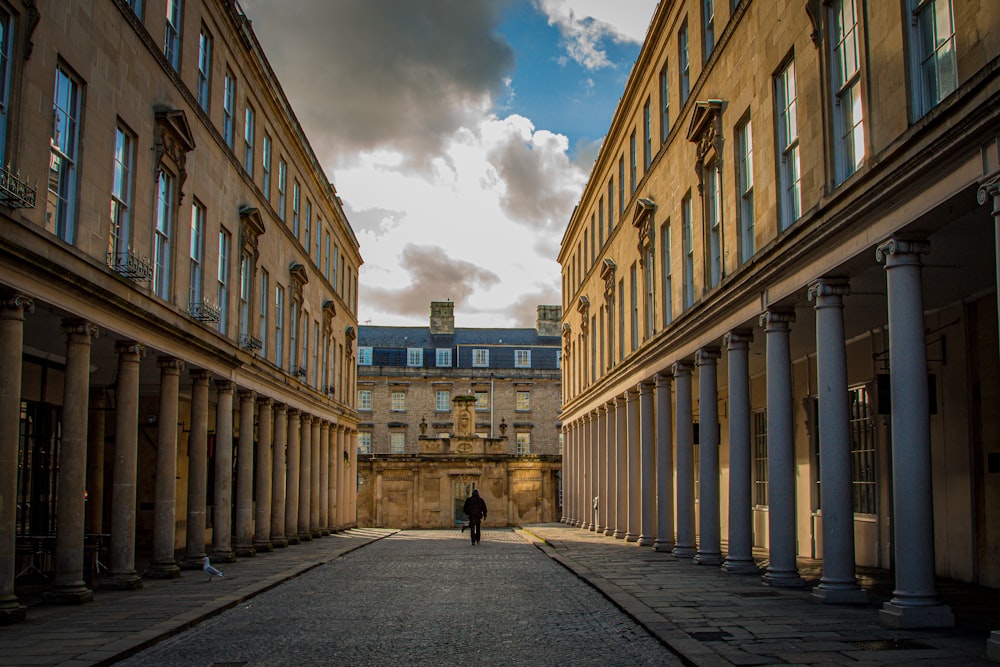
(444, 410)
(782, 272)
(177, 319)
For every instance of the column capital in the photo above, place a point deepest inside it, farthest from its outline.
(646, 387)
(246, 394)
(663, 379)
(316, 419)
(605, 408)
(16, 304)
(199, 375)
(266, 402)
(901, 250)
(292, 412)
(72, 326)
(707, 356)
(683, 367)
(828, 287)
(324, 425)
(989, 189)
(773, 319)
(224, 386)
(737, 339)
(130, 347)
(305, 416)
(170, 365)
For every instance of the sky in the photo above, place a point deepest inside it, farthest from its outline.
(459, 135)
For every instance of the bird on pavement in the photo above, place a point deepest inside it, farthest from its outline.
(209, 570)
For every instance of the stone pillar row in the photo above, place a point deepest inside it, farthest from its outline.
(636, 456)
(302, 467)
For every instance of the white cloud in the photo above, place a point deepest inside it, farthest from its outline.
(584, 24)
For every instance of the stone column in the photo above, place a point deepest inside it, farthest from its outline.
(664, 466)
(600, 469)
(351, 478)
(990, 191)
(621, 468)
(343, 470)
(634, 467)
(709, 538)
(564, 475)
(305, 477)
(337, 435)
(610, 470)
(163, 565)
(244, 477)
(594, 468)
(12, 309)
(222, 523)
(262, 472)
(122, 574)
(586, 500)
(292, 478)
(94, 522)
(277, 537)
(569, 487)
(685, 547)
(197, 487)
(838, 584)
(324, 477)
(68, 586)
(783, 570)
(579, 474)
(915, 602)
(740, 560)
(647, 466)
(314, 477)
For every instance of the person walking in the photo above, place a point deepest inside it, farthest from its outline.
(475, 509)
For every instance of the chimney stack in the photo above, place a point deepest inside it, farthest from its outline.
(442, 317)
(548, 320)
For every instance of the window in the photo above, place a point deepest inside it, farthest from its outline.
(196, 277)
(398, 401)
(296, 198)
(293, 335)
(744, 181)
(307, 241)
(611, 205)
(248, 137)
(229, 109)
(204, 69)
(225, 241)
(759, 436)
(523, 403)
(788, 148)
(172, 37)
(364, 443)
(647, 137)
(60, 210)
(632, 164)
(480, 357)
(522, 358)
(364, 356)
(600, 223)
(6, 41)
(336, 264)
(315, 355)
(136, 6)
(265, 167)
(120, 232)
(713, 214)
(397, 442)
(863, 464)
(664, 104)
(684, 65)
(443, 357)
(634, 310)
(848, 120)
(523, 444)
(246, 288)
(621, 182)
(558, 359)
(593, 237)
(279, 325)
(415, 356)
(162, 234)
(304, 357)
(317, 236)
(482, 400)
(621, 319)
(688, 238)
(932, 48)
(265, 295)
(364, 399)
(649, 271)
(282, 188)
(666, 270)
(442, 400)
(708, 26)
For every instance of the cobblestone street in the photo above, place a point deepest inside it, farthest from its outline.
(422, 598)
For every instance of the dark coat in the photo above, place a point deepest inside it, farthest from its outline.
(475, 508)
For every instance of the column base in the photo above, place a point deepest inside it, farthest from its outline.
(585, 525)
(305, 536)
(324, 532)
(316, 533)
(599, 529)
(166, 569)
(263, 546)
(11, 611)
(934, 616)
(840, 593)
(646, 541)
(663, 545)
(609, 532)
(708, 558)
(70, 594)
(631, 537)
(244, 551)
(223, 556)
(279, 542)
(192, 562)
(293, 539)
(619, 535)
(683, 551)
(993, 646)
(122, 581)
(783, 579)
(740, 566)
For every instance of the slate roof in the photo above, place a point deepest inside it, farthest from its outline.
(403, 337)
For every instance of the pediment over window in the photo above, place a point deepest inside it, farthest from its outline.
(350, 334)
(172, 141)
(705, 130)
(642, 220)
(567, 332)
(329, 312)
(299, 277)
(251, 228)
(608, 268)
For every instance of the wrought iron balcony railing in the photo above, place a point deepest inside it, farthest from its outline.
(251, 342)
(204, 311)
(130, 265)
(300, 371)
(14, 192)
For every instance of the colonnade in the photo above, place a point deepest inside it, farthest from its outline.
(301, 464)
(644, 470)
